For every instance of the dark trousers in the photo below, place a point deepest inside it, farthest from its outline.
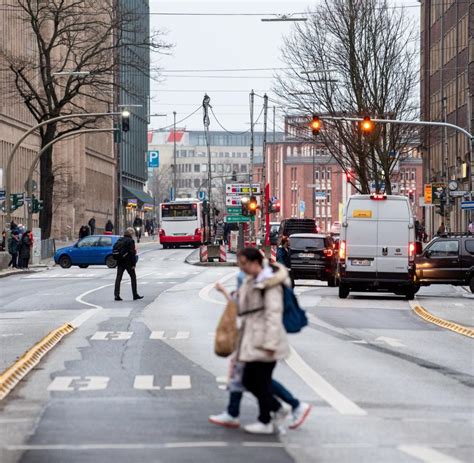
(257, 379)
(14, 260)
(121, 268)
(280, 391)
(23, 262)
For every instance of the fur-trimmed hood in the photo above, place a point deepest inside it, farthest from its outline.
(272, 275)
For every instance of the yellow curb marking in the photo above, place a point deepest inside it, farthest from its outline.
(460, 329)
(18, 370)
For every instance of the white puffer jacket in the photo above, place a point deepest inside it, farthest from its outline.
(260, 302)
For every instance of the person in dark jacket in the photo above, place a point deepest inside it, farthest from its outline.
(284, 257)
(4, 241)
(13, 248)
(83, 232)
(109, 227)
(127, 262)
(91, 224)
(25, 249)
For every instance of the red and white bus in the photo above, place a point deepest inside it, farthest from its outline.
(181, 223)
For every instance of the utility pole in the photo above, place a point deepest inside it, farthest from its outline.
(446, 166)
(252, 99)
(175, 167)
(266, 199)
(205, 106)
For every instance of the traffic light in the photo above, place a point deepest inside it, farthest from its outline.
(234, 176)
(245, 203)
(252, 205)
(367, 126)
(17, 200)
(411, 194)
(36, 204)
(315, 125)
(349, 176)
(125, 121)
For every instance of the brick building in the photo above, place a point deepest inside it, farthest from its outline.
(447, 88)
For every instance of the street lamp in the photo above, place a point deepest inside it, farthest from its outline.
(283, 18)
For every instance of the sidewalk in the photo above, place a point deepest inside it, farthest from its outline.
(48, 263)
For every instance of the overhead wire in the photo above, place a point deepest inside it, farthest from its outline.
(177, 122)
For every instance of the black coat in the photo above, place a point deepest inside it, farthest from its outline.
(109, 226)
(129, 247)
(25, 246)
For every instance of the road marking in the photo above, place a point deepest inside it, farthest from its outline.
(318, 322)
(390, 341)
(82, 447)
(427, 454)
(181, 335)
(145, 383)
(319, 385)
(359, 341)
(204, 293)
(458, 304)
(112, 335)
(157, 335)
(179, 382)
(8, 335)
(161, 335)
(73, 383)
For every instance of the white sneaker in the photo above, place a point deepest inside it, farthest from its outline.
(226, 420)
(260, 428)
(300, 414)
(279, 418)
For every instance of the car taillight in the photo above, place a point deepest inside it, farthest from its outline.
(342, 250)
(328, 252)
(378, 196)
(162, 232)
(198, 231)
(411, 251)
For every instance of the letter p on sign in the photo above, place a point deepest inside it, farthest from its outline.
(153, 159)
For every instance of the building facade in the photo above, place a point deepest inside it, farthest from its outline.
(447, 86)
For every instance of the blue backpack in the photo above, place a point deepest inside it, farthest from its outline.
(294, 317)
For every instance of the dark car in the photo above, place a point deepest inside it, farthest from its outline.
(447, 259)
(274, 229)
(313, 256)
(91, 250)
(289, 227)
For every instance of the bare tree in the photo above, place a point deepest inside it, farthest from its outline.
(90, 37)
(354, 58)
(160, 183)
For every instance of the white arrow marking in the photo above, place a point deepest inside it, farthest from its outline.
(427, 454)
(390, 341)
(112, 335)
(157, 335)
(181, 335)
(145, 383)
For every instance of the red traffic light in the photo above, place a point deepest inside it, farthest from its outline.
(367, 125)
(315, 124)
(349, 176)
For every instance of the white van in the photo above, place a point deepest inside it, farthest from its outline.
(377, 247)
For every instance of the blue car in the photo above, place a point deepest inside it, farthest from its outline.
(91, 250)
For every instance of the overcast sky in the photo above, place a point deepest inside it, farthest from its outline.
(212, 43)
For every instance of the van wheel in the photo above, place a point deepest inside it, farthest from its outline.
(343, 291)
(471, 285)
(410, 294)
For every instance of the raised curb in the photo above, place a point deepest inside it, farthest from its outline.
(188, 260)
(18, 370)
(429, 317)
(23, 272)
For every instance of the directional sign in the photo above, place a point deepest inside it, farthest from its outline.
(320, 195)
(467, 205)
(237, 200)
(242, 189)
(3, 195)
(238, 218)
(234, 210)
(459, 193)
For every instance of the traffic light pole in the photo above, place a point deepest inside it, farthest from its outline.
(8, 171)
(40, 153)
(264, 216)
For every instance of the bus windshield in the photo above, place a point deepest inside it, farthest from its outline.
(178, 211)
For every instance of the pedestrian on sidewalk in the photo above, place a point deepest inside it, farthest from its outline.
(262, 338)
(83, 232)
(283, 256)
(91, 224)
(109, 227)
(470, 227)
(3, 243)
(26, 243)
(13, 248)
(441, 229)
(125, 252)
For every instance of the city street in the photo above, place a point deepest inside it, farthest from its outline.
(137, 380)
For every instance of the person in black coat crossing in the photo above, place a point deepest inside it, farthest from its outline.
(126, 261)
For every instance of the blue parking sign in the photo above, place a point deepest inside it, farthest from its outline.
(153, 159)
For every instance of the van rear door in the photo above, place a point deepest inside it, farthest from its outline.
(393, 238)
(361, 235)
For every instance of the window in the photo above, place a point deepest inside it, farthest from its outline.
(197, 167)
(243, 168)
(444, 248)
(470, 246)
(316, 174)
(105, 241)
(197, 183)
(413, 174)
(227, 154)
(88, 241)
(203, 167)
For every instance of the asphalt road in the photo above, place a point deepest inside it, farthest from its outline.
(137, 380)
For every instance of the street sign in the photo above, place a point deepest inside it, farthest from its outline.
(467, 205)
(242, 189)
(458, 194)
(428, 193)
(201, 195)
(302, 206)
(3, 194)
(320, 195)
(237, 200)
(153, 159)
(238, 218)
(234, 210)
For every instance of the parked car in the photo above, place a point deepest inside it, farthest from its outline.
(447, 259)
(377, 246)
(289, 227)
(274, 229)
(91, 250)
(313, 257)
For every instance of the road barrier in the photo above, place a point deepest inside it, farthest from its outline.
(223, 254)
(203, 254)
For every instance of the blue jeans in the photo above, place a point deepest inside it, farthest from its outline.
(233, 408)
